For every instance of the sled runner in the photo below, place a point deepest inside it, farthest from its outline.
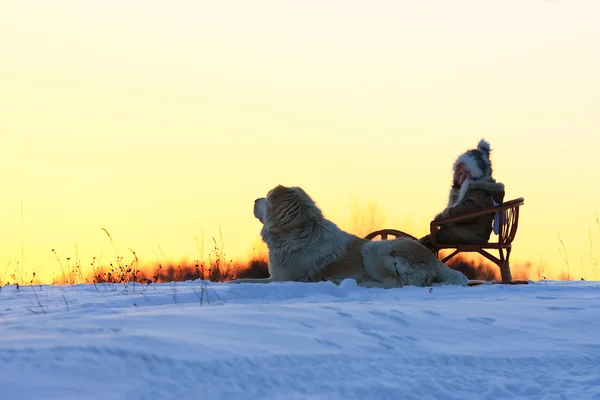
(506, 222)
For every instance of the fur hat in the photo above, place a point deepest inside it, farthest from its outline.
(476, 161)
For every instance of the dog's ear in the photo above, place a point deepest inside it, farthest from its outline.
(279, 197)
(289, 194)
(283, 211)
(289, 208)
(278, 193)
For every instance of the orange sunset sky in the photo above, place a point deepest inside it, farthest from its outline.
(162, 121)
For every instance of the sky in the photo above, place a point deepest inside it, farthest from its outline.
(161, 122)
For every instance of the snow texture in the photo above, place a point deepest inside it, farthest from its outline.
(300, 341)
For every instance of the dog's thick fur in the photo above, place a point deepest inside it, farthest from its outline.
(306, 247)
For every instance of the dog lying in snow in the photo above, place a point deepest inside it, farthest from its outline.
(304, 246)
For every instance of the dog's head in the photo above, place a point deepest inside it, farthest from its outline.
(285, 208)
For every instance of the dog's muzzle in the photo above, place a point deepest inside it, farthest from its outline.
(259, 209)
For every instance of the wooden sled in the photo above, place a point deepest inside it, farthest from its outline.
(508, 224)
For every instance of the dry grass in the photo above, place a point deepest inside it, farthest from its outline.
(217, 269)
(588, 266)
(129, 271)
(477, 267)
(364, 219)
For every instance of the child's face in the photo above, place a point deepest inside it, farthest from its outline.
(463, 175)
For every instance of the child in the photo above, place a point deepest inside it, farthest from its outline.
(473, 189)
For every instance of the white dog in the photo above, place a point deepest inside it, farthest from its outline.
(306, 247)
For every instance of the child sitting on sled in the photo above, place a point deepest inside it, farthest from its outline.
(473, 189)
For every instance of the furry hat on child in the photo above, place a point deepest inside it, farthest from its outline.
(476, 161)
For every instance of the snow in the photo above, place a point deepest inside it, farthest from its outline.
(300, 341)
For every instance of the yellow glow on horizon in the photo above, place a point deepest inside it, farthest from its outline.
(162, 122)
